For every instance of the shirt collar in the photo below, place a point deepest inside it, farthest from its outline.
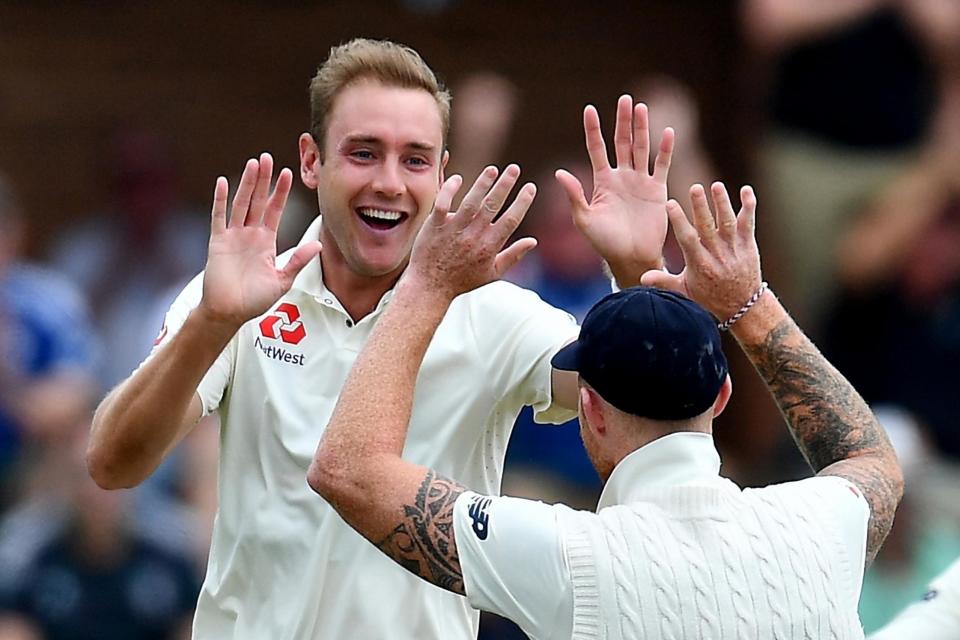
(310, 278)
(675, 459)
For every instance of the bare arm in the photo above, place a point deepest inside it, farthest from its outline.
(831, 423)
(404, 509)
(144, 418)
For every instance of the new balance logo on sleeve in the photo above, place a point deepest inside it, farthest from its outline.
(478, 513)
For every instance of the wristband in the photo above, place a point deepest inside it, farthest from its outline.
(724, 326)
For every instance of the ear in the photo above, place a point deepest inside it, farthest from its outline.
(309, 161)
(592, 407)
(444, 159)
(723, 397)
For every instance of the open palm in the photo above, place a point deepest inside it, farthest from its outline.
(241, 280)
(626, 217)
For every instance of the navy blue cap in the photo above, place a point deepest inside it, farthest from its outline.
(649, 352)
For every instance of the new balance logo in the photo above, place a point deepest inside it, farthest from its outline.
(478, 513)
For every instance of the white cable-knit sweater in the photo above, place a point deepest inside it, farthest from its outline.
(674, 552)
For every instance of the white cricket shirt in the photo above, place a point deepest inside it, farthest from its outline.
(935, 617)
(674, 551)
(283, 565)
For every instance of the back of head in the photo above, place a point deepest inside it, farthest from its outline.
(392, 64)
(649, 353)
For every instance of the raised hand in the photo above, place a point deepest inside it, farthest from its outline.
(625, 219)
(722, 267)
(241, 279)
(457, 252)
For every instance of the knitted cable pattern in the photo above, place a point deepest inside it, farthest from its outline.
(770, 573)
(743, 604)
(705, 599)
(625, 577)
(785, 535)
(825, 571)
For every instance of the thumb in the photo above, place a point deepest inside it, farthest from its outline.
(509, 257)
(300, 258)
(574, 190)
(663, 280)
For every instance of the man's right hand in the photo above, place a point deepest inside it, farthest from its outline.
(241, 280)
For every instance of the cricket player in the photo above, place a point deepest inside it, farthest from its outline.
(268, 341)
(675, 550)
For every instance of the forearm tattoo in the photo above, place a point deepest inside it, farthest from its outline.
(423, 542)
(830, 422)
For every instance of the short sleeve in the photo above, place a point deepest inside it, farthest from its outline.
(513, 565)
(215, 382)
(935, 617)
(521, 333)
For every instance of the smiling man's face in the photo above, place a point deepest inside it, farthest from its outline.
(381, 169)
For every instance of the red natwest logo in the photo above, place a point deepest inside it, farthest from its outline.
(284, 323)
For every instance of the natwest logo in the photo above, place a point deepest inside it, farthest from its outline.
(284, 324)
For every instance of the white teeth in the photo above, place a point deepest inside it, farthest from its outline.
(381, 214)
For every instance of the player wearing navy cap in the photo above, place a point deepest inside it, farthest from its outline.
(675, 550)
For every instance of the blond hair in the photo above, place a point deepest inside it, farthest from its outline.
(389, 63)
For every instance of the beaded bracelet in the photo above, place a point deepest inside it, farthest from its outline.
(724, 326)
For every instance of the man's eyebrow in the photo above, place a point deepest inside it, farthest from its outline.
(424, 147)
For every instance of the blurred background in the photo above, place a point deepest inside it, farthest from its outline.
(116, 118)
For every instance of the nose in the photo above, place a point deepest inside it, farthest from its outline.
(389, 180)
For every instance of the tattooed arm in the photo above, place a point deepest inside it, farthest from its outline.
(406, 509)
(831, 423)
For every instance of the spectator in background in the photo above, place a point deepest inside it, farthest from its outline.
(852, 96)
(480, 126)
(92, 573)
(899, 272)
(134, 257)
(48, 350)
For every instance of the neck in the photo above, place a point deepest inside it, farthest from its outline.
(641, 432)
(359, 294)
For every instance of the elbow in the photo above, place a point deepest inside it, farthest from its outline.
(107, 471)
(325, 475)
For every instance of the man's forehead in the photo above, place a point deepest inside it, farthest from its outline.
(373, 112)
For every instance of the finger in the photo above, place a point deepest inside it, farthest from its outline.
(702, 216)
(574, 190)
(641, 138)
(596, 148)
(663, 280)
(300, 258)
(472, 201)
(514, 214)
(441, 206)
(494, 200)
(623, 132)
(241, 200)
(218, 215)
(261, 190)
(685, 232)
(513, 254)
(747, 219)
(278, 200)
(661, 166)
(726, 218)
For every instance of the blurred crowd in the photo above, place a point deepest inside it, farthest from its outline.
(857, 167)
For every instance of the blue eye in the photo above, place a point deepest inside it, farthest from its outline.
(362, 154)
(418, 162)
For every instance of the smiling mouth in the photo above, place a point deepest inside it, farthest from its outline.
(381, 219)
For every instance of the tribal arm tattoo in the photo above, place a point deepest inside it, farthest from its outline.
(831, 423)
(423, 542)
